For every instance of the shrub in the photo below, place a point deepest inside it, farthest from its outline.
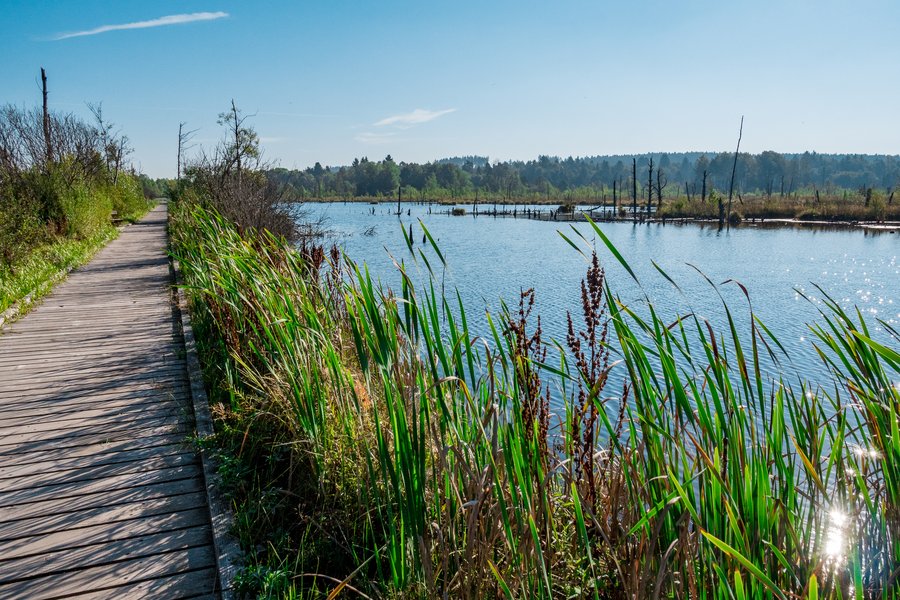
(86, 211)
(127, 197)
(20, 226)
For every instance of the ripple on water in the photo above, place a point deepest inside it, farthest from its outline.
(492, 258)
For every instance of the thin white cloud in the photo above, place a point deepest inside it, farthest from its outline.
(160, 22)
(420, 115)
(369, 137)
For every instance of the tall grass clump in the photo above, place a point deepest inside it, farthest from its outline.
(374, 444)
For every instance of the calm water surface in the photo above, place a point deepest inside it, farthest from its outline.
(493, 258)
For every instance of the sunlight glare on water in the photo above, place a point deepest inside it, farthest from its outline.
(835, 535)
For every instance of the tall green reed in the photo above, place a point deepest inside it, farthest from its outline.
(451, 476)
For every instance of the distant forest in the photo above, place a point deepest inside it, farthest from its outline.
(679, 174)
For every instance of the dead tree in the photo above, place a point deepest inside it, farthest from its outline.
(48, 144)
(661, 183)
(615, 200)
(244, 144)
(733, 170)
(703, 191)
(649, 187)
(634, 190)
(184, 139)
(115, 145)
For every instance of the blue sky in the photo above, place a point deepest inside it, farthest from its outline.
(420, 80)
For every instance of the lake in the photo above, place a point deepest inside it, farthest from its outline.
(492, 258)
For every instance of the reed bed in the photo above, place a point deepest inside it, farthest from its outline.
(375, 446)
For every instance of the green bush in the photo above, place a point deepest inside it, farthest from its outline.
(86, 211)
(20, 226)
(127, 197)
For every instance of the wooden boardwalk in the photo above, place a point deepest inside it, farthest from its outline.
(100, 494)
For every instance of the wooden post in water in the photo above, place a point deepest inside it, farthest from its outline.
(399, 188)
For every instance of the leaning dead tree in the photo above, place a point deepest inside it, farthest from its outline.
(733, 170)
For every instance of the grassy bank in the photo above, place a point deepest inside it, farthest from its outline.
(32, 264)
(33, 276)
(372, 444)
(63, 182)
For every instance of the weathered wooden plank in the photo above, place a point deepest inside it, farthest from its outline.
(84, 324)
(36, 481)
(97, 350)
(72, 377)
(44, 524)
(97, 394)
(96, 453)
(65, 462)
(114, 482)
(118, 482)
(101, 416)
(113, 576)
(197, 585)
(51, 409)
(103, 532)
(125, 434)
(17, 443)
(102, 499)
(60, 412)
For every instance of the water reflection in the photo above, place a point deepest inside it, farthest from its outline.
(836, 537)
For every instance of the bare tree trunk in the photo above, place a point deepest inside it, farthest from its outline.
(615, 200)
(661, 183)
(184, 139)
(237, 144)
(47, 141)
(733, 170)
(649, 188)
(634, 190)
(180, 138)
(117, 160)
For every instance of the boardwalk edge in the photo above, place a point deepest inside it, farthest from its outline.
(226, 546)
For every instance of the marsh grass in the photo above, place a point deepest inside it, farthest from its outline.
(829, 208)
(373, 442)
